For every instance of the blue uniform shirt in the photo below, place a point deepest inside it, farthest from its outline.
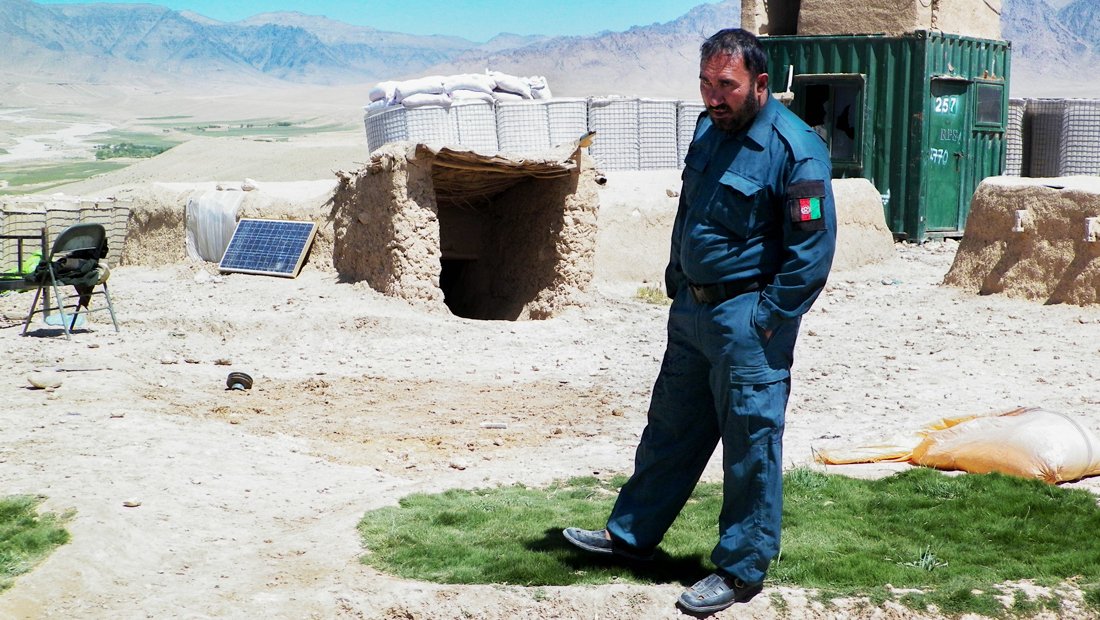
(757, 205)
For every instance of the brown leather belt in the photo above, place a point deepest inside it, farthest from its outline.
(717, 293)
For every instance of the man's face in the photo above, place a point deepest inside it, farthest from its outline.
(731, 94)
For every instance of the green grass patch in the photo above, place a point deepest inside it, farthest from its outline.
(128, 150)
(950, 539)
(26, 537)
(653, 295)
(141, 140)
(268, 129)
(27, 179)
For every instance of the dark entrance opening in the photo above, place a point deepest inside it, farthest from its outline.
(499, 246)
(456, 277)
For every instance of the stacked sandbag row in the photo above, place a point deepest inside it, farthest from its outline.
(455, 109)
(443, 90)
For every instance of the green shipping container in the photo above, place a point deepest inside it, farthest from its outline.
(921, 115)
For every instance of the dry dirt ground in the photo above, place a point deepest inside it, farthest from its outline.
(249, 499)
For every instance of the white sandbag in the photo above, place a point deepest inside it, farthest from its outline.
(1025, 442)
(383, 91)
(376, 106)
(511, 84)
(461, 94)
(420, 100)
(469, 81)
(504, 96)
(541, 93)
(429, 84)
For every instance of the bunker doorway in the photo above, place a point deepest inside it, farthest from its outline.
(499, 239)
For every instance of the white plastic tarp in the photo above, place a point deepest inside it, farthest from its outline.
(210, 221)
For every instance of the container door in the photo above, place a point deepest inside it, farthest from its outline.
(948, 146)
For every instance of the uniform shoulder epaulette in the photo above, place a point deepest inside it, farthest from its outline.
(795, 134)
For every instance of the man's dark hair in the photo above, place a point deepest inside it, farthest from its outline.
(736, 42)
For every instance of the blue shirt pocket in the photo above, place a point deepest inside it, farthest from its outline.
(736, 205)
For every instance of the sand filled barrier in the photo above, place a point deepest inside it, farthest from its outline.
(156, 233)
(862, 237)
(1032, 238)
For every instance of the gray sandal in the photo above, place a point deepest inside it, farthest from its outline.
(717, 592)
(595, 541)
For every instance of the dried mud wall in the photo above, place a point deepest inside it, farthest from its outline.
(534, 243)
(637, 213)
(559, 217)
(1049, 260)
(834, 17)
(156, 232)
(862, 236)
(386, 228)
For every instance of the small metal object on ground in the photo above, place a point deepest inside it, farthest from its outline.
(238, 381)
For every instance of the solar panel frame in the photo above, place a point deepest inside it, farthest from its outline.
(268, 247)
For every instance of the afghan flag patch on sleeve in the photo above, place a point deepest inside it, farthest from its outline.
(806, 203)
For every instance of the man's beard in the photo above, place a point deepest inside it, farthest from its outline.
(740, 118)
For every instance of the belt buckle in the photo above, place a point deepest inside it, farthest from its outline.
(698, 293)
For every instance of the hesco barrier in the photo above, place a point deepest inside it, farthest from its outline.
(657, 134)
(568, 118)
(476, 123)
(27, 215)
(615, 121)
(687, 115)
(523, 127)
(1044, 121)
(631, 133)
(1014, 140)
(428, 124)
(1080, 137)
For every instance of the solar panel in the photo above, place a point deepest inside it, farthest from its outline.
(268, 247)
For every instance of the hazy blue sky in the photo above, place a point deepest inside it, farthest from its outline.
(477, 20)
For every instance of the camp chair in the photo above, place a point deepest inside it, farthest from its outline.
(73, 261)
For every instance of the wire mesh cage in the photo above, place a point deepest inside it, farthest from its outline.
(523, 127)
(477, 125)
(1043, 118)
(428, 124)
(658, 138)
(687, 114)
(1080, 153)
(615, 121)
(1014, 138)
(568, 119)
(28, 215)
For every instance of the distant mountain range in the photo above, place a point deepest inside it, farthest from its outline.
(104, 43)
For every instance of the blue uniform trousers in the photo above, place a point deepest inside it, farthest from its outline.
(718, 380)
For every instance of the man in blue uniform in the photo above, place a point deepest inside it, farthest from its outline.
(752, 245)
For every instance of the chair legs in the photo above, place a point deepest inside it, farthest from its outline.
(110, 306)
(68, 322)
